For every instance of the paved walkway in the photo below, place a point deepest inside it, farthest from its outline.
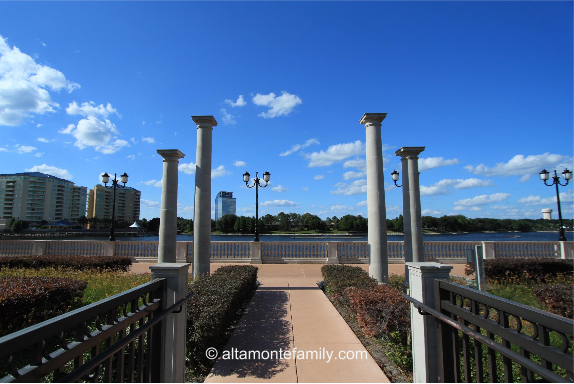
(290, 313)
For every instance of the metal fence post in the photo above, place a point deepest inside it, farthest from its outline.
(423, 327)
(172, 363)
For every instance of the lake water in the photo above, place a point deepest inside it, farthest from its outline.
(502, 236)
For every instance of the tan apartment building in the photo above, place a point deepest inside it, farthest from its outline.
(35, 196)
(100, 202)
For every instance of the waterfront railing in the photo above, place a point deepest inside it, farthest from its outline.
(355, 252)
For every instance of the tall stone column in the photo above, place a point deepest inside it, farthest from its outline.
(378, 254)
(407, 234)
(202, 208)
(168, 213)
(412, 203)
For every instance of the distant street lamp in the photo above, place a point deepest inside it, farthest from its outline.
(545, 175)
(256, 184)
(395, 176)
(115, 184)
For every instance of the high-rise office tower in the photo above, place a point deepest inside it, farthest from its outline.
(224, 204)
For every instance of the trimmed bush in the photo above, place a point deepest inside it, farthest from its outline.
(25, 301)
(557, 297)
(79, 263)
(213, 308)
(537, 269)
(381, 310)
(337, 278)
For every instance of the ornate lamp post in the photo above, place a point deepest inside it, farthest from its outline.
(544, 176)
(256, 184)
(115, 184)
(395, 177)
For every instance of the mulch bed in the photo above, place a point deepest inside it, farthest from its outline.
(378, 351)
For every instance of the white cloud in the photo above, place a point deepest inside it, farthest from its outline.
(91, 109)
(24, 148)
(362, 203)
(279, 203)
(41, 139)
(282, 105)
(92, 132)
(149, 203)
(305, 189)
(355, 188)
(319, 177)
(24, 86)
(473, 183)
(279, 188)
(133, 139)
(434, 162)
(524, 166)
(353, 175)
(154, 182)
(297, 147)
(227, 117)
(239, 103)
(3, 150)
(188, 168)
(38, 125)
(483, 199)
(39, 154)
(149, 140)
(335, 153)
(132, 157)
(430, 212)
(360, 164)
(51, 170)
(565, 197)
(143, 122)
(440, 187)
(239, 163)
(341, 208)
(219, 171)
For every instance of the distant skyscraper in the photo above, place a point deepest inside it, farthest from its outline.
(224, 204)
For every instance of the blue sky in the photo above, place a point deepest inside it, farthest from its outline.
(486, 87)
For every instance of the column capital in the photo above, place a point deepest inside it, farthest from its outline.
(203, 121)
(409, 151)
(373, 118)
(170, 154)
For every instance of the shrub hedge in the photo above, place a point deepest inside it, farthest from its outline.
(25, 301)
(79, 263)
(381, 310)
(337, 278)
(537, 269)
(213, 308)
(557, 297)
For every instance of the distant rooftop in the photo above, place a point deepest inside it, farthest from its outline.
(34, 174)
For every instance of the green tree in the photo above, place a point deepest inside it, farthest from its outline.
(398, 224)
(189, 226)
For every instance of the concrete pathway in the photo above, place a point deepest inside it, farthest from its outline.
(289, 313)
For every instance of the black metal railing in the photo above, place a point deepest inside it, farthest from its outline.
(484, 338)
(114, 340)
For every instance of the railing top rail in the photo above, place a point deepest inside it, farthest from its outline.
(547, 319)
(507, 352)
(28, 336)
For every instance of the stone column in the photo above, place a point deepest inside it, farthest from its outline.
(202, 207)
(423, 328)
(378, 254)
(172, 364)
(412, 193)
(168, 213)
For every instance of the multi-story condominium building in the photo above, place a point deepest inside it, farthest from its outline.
(35, 196)
(224, 204)
(100, 202)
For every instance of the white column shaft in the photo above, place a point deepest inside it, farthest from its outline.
(408, 242)
(377, 232)
(202, 211)
(415, 210)
(168, 212)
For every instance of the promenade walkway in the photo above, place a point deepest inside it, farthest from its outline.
(290, 313)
